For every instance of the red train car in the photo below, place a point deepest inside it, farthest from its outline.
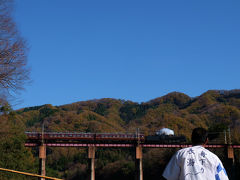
(94, 137)
(119, 137)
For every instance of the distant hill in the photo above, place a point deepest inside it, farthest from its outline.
(216, 110)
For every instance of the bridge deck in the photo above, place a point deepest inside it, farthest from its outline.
(127, 145)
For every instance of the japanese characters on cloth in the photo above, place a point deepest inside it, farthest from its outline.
(195, 163)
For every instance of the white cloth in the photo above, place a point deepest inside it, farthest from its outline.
(195, 163)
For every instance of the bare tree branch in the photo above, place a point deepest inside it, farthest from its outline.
(13, 61)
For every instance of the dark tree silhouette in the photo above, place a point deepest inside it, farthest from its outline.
(14, 72)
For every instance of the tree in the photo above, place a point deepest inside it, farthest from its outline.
(13, 60)
(5, 109)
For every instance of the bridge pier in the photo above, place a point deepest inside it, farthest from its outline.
(138, 164)
(230, 153)
(229, 161)
(42, 161)
(91, 162)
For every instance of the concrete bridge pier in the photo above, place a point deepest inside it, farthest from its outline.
(229, 161)
(230, 153)
(42, 161)
(138, 164)
(91, 162)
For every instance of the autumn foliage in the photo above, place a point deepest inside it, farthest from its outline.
(215, 110)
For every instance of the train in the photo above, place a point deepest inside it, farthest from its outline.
(67, 136)
(104, 137)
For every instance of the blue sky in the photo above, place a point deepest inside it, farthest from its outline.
(126, 49)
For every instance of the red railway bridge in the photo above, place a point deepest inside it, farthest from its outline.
(109, 140)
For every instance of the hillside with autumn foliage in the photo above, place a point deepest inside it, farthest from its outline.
(214, 110)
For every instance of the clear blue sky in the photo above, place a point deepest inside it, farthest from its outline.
(128, 49)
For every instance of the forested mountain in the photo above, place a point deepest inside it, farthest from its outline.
(215, 110)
